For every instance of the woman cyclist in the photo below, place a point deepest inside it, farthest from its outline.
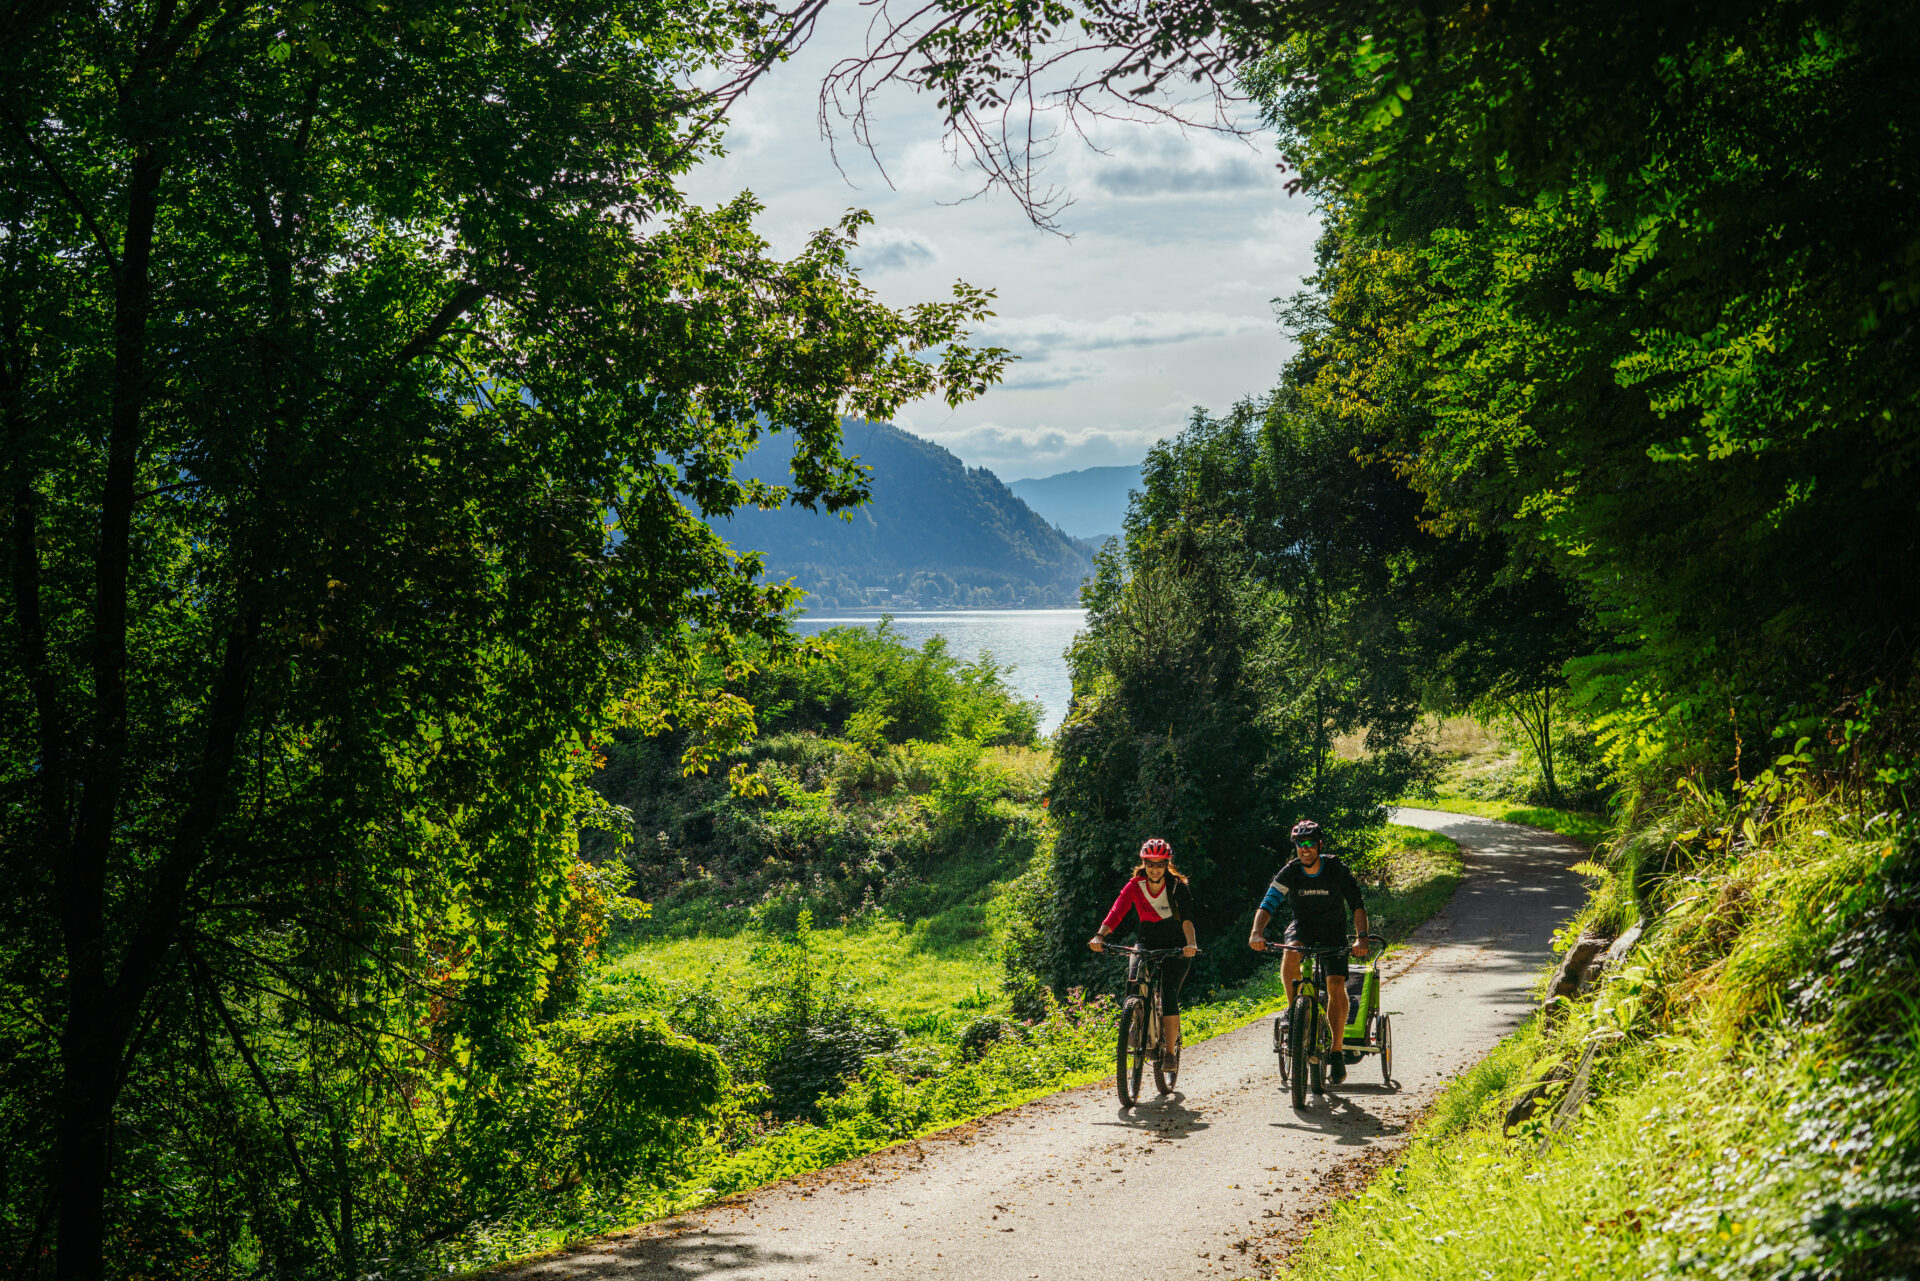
(1157, 894)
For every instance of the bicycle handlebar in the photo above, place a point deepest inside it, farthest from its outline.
(1320, 951)
(1134, 949)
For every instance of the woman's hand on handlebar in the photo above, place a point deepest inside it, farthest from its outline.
(1189, 951)
(1097, 943)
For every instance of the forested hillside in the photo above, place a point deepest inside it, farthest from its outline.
(937, 534)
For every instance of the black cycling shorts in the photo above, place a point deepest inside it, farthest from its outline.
(1331, 964)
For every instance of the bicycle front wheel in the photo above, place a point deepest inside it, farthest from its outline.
(1300, 1041)
(1321, 1041)
(1166, 1068)
(1130, 1051)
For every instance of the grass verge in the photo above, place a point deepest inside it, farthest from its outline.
(1752, 1108)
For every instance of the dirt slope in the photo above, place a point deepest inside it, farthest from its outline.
(1201, 1184)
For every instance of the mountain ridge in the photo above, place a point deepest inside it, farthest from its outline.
(1090, 503)
(936, 534)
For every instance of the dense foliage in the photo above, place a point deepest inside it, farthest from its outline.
(872, 789)
(1658, 333)
(1272, 596)
(364, 385)
(936, 534)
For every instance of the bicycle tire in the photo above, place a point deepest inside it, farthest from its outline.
(1163, 1080)
(1127, 1059)
(1386, 1051)
(1139, 1047)
(1281, 1050)
(1300, 1037)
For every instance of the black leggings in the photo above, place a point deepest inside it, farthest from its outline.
(1173, 972)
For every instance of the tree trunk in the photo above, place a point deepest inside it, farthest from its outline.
(1546, 749)
(90, 1050)
(95, 1035)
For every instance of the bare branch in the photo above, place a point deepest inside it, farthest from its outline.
(1011, 90)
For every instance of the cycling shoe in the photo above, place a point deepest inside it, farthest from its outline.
(1337, 1070)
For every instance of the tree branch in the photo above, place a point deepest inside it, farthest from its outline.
(245, 1051)
(67, 192)
(51, 729)
(225, 718)
(433, 331)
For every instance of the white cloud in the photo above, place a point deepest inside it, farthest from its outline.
(1014, 453)
(1283, 239)
(1157, 301)
(1049, 332)
(1142, 162)
(892, 248)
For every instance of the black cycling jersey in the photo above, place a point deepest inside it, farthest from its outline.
(1323, 902)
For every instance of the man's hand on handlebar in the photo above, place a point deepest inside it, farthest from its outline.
(1360, 947)
(1257, 942)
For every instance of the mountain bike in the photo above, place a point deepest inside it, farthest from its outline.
(1140, 1026)
(1303, 1036)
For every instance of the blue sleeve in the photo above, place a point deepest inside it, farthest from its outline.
(1271, 900)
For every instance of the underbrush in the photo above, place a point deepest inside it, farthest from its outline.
(1415, 872)
(1751, 1101)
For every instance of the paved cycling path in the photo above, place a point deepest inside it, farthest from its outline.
(1070, 1187)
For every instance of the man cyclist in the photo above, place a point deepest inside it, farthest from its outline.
(1319, 888)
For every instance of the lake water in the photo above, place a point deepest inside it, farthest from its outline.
(1034, 641)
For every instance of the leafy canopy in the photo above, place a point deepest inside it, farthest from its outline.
(366, 387)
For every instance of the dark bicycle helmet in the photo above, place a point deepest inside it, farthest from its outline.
(1306, 832)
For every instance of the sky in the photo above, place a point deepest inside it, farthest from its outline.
(1160, 299)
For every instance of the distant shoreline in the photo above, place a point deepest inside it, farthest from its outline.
(883, 611)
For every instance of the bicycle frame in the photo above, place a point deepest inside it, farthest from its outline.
(1303, 1036)
(1360, 1010)
(1144, 967)
(1142, 1023)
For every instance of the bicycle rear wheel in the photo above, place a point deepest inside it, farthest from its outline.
(1130, 1051)
(1299, 1038)
(1386, 1051)
(1281, 1049)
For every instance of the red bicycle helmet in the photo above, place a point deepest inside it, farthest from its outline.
(1154, 847)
